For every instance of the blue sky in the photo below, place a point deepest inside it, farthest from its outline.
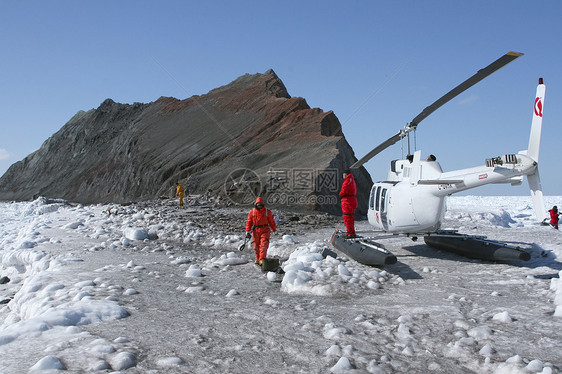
(376, 64)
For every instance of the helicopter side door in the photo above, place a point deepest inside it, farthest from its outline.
(382, 208)
(377, 213)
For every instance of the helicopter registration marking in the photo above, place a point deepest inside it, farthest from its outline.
(442, 187)
(483, 176)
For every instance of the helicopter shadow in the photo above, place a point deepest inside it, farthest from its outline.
(405, 271)
(424, 250)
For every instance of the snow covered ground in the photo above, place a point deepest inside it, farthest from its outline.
(152, 288)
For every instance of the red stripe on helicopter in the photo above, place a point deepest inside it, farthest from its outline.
(538, 107)
(483, 176)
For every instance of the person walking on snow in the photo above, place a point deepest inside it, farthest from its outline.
(260, 223)
(179, 193)
(348, 202)
(554, 217)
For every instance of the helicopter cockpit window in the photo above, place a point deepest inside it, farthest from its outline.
(383, 197)
(378, 193)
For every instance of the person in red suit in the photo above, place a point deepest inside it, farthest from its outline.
(349, 202)
(554, 217)
(260, 223)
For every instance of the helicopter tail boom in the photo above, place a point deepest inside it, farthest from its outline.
(494, 172)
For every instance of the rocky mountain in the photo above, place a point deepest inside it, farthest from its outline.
(244, 139)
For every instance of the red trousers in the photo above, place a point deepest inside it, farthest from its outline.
(349, 221)
(261, 242)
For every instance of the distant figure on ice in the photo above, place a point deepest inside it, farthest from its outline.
(349, 202)
(260, 223)
(179, 193)
(554, 217)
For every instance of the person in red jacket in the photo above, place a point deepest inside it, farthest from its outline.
(554, 217)
(349, 202)
(260, 223)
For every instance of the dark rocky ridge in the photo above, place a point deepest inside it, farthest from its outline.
(120, 152)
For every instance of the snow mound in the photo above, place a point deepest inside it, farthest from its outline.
(499, 218)
(307, 271)
(230, 258)
(49, 363)
(42, 205)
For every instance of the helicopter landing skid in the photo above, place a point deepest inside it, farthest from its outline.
(363, 250)
(368, 251)
(477, 247)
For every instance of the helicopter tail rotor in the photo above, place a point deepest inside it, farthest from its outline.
(537, 196)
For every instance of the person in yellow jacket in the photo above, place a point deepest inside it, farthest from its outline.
(260, 223)
(179, 193)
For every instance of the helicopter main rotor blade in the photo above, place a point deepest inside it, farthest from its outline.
(481, 74)
(390, 141)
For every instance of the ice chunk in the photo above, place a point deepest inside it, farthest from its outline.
(343, 270)
(503, 317)
(193, 271)
(288, 239)
(132, 233)
(480, 332)
(49, 363)
(535, 366)
(73, 225)
(341, 366)
(123, 361)
(271, 276)
(487, 350)
(169, 361)
(333, 351)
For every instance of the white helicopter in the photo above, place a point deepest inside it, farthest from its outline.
(412, 201)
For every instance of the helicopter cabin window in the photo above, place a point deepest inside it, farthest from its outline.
(383, 198)
(372, 198)
(378, 194)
